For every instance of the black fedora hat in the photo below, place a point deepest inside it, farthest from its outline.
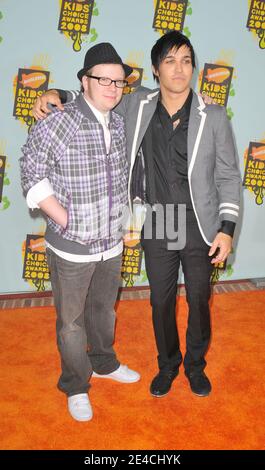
(102, 53)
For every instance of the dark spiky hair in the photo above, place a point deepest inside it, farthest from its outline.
(170, 40)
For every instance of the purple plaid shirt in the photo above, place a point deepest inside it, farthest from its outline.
(68, 148)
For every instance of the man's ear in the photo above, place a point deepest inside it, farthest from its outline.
(84, 82)
(155, 72)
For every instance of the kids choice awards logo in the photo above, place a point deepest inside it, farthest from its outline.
(170, 15)
(216, 81)
(75, 20)
(28, 85)
(131, 258)
(131, 268)
(256, 20)
(254, 176)
(35, 267)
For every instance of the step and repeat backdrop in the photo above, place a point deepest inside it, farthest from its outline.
(43, 44)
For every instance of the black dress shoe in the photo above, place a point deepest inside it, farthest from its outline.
(162, 382)
(199, 384)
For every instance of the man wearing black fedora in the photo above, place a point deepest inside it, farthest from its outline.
(74, 168)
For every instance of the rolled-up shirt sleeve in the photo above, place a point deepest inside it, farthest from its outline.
(38, 193)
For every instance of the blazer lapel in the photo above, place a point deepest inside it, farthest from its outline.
(146, 110)
(196, 125)
(149, 108)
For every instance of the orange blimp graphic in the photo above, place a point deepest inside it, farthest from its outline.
(258, 153)
(33, 80)
(217, 75)
(37, 245)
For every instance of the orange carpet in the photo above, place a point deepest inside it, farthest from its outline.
(34, 412)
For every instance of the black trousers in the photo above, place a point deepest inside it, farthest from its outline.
(162, 267)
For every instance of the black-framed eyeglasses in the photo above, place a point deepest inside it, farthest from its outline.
(104, 81)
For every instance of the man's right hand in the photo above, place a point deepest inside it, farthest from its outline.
(40, 109)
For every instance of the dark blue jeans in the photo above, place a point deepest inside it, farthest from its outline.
(84, 296)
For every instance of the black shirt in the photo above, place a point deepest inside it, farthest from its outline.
(165, 148)
(169, 137)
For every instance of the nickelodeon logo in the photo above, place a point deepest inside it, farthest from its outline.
(217, 75)
(33, 80)
(37, 245)
(258, 153)
(216, 81)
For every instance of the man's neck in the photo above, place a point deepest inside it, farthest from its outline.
(94, 107)
(173, 101)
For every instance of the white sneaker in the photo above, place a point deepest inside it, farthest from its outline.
(122, 374)
(79, 407)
